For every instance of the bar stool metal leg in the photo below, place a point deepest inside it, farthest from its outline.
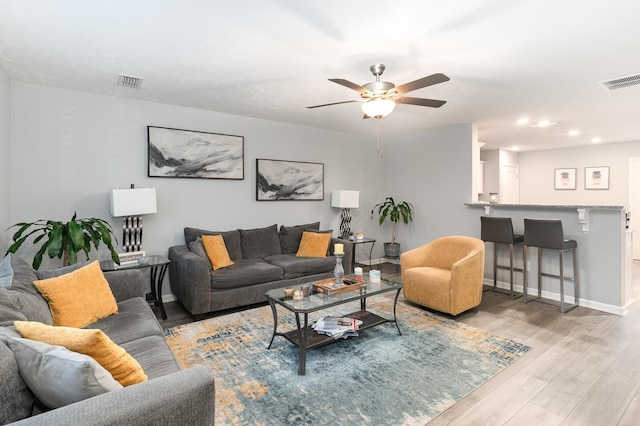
(524, 274)
(562, 306)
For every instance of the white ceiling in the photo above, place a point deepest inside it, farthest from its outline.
(270, 59)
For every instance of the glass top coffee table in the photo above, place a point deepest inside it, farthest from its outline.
(304, 337)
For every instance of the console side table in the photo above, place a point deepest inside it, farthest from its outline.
(158, 267)
(355, 243)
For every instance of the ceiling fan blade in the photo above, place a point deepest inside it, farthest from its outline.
(420, 83)
(433, 103)
(333, 103)
(350, 85)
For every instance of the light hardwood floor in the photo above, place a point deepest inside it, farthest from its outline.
(583, 368)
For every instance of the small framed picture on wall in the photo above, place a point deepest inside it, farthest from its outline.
(596, 177)
(565, 179)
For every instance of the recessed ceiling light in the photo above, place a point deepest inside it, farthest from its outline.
(573, 132)
(522, 121)
(514, 148)
(544, 123)
(596, 140)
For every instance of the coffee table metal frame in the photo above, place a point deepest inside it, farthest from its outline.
(304, 337)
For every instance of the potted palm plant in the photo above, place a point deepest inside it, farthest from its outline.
(64, 240)
(388, 209)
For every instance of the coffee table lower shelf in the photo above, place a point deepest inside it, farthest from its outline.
(315, 340)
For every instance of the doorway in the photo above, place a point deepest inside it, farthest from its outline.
(510, 184)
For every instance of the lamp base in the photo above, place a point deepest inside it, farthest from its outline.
(132, 233)
(345, 224)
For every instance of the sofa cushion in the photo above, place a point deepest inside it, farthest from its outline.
(25, 296)
(6, 271)
(260, 242)
(8, 310)
(131, 311)
(216, 251)
(314, 244)
(244, 273)
(154, 356)
(231, 240)
(294, 267)
(290, 236)
(58, 376)
(122, 366)
(17, 400)
(79, 298)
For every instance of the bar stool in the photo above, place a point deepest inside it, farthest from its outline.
(499, 230)
(548, 234)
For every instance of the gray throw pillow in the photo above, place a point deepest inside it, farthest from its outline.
(58, 376)
(6, 272)
(52, 273)
(17, 400)
(290, 236)
(9, 312)
(260, 242)
(231, 240)
(198, 248)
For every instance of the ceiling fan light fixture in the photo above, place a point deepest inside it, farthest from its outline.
(378, 108)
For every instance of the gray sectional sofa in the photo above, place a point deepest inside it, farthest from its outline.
(170, 396)
(264, 259)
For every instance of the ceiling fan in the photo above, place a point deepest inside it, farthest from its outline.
(379, 98)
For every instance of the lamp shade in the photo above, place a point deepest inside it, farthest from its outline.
(378, 108)
(132, 202)
(345, 199)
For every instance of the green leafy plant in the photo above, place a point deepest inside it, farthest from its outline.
(388, 209)
(64, 240)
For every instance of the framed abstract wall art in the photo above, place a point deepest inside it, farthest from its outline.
(278, 180)
(565, 179)
(596, 177)
(191, 154)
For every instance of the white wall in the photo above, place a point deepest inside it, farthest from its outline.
(432, 170)
(69, 148)
(5, 157)
(537, 174)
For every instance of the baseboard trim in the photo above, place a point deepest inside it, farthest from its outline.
(598, 306)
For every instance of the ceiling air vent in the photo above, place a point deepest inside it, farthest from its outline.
(620, 82)
(129, 81)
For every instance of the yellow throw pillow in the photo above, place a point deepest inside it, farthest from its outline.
(94, 343)
(78, 298)
(216, 251)
(314, 244)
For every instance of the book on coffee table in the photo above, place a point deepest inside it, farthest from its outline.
(329, 286)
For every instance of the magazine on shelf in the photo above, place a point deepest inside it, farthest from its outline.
(338, 328)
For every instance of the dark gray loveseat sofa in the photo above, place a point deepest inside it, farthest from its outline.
(264, 259)
(170, 396)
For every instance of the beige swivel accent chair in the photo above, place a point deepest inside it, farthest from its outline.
(445, 275)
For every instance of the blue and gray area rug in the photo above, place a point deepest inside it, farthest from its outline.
(377, 378)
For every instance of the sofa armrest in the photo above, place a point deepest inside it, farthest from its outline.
(347, 259)
(126, 284)
(186, 397)
(190, 279)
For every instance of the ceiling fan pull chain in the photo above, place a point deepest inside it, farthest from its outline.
(380, 138)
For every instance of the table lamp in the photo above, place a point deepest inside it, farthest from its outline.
(131, 204)
(345, 200)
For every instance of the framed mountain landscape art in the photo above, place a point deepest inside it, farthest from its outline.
(278, 180)
(192, 154)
